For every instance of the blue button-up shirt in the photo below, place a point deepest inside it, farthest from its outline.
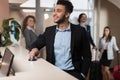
(62, 43)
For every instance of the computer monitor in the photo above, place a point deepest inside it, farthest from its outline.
(6, 64)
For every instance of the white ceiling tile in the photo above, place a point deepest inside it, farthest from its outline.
(17, 1)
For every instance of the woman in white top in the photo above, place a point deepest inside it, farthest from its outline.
(106, 45)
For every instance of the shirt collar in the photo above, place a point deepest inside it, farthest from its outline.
(29, 28)
(83, 24)
(67, 29)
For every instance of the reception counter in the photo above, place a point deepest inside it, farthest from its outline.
(33, 70)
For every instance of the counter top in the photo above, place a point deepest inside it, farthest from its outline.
(33, 70)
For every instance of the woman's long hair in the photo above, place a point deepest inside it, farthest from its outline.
(109, 35)
(24, 25)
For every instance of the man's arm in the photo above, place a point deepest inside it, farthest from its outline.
(37, 45)
(90, 37)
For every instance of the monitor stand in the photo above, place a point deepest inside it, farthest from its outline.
(12, 72)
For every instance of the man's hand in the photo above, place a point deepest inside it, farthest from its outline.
(94, 47)
(81, 78)
(34, 52)
(119, 51)
(102, 50)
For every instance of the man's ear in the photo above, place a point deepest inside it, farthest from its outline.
(67, 15)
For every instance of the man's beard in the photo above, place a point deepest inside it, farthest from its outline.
(61, 20)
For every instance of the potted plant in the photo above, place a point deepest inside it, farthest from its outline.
(9, 26)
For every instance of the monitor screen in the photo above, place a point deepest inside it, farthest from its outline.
(6, 62)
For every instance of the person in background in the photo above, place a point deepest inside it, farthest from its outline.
(67, 45)
(28, 30)
(82, 22)
(106, 45)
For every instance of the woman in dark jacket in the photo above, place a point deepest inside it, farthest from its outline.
(28, 30)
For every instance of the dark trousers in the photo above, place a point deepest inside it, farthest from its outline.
(74, 73)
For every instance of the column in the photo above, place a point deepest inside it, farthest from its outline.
(39, 18)
(4, 11)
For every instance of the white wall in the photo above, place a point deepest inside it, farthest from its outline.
(109, 16)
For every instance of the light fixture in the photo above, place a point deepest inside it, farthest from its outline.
(46, 16)
(28, 10)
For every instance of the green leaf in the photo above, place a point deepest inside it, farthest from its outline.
(7, 28)
(16, 24)
(17, 33)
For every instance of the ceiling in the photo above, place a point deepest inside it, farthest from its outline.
(15, 4)
(18, 2)
(115, 2)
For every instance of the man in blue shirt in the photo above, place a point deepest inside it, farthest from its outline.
(67, 45)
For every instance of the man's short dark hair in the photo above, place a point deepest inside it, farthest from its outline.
(68, 5)
(80, 16)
